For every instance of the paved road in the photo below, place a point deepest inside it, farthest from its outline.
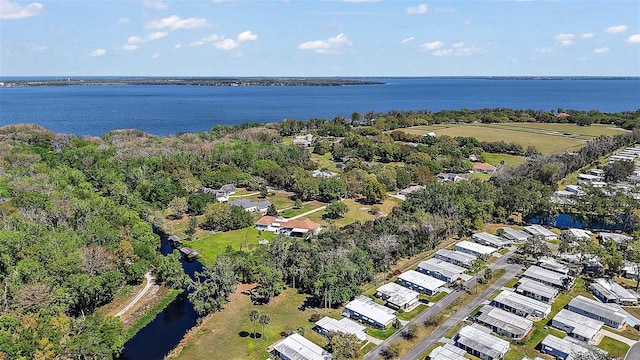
(634, 352)
(442, 304)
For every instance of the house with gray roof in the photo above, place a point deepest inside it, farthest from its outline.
(368, 311)
(611, 316)
(609, 291)
(619, 239)
(504, 323)
(485, 238)
(552, 264)
(250, 206)
(579, 326)
(562, 349)
(398, 296)
(521, 305)
(479, 342)
(474, 249)
(447, 352)
(515, 235)
(548, 277)
(420, 282)
(536, 290)
(455, 257)
(327, 325)
(296, 347)
(441, 269)
(541, 230)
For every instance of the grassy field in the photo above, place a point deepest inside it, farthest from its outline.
(325, 162)
(496, 159)
(613, 347)
(547, 138)
(211, 245)
(357, 212)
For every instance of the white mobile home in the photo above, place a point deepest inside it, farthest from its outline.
(536, 290)
(504, 323)
(477, 341)
(420, 282)
(515, 235)
(366, 310)
(576, 325)
(398, 297)
(609, 315)
(447, 352)
(455, 257)
(609, 291)
(548, 277)
(441, 269)
(474, 249)
(487, 239)
(296, 347)
(521, 305)
(327, 325)
(541, 230)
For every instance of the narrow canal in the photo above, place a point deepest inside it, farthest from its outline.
(159, 337)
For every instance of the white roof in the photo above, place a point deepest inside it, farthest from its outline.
(562, 345)
(459, 256)
(581, 234)
(513, 234)
(615, 237)
(482, 342)
(398, 295)
(615, 290)
(296, 347)
(440, 266)
(504, 320)
(540, 230)
(374, 311)
(543, 275)
(422, 280)
(343, 325)
(580, 325)
(552, 264)
(597, 308)
(490, 239)
(476, 248)
(536, 287)
(447, 352)
(522, 303)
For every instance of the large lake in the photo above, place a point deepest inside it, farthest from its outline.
(162, 110)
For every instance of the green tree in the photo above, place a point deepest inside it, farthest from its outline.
(212, 286)
(373, 191)
(178, 207)
(332, 189)
(264, 320)
(191, 226)
(270, 283)
(297, 204)
(307, 188)
(215, 216)
(272, 211)
(344, 346)
(254, 316)
(336, 210)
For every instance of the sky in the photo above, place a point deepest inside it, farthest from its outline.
(319, 38)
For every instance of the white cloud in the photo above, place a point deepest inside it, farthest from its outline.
(12, 11)
(196, 43)
(419, 9)
(155, 4)
(544, 50)
(155, 56)
(457, 45)
(361, 1)
(227, 44)
(432, 45)
(175, 22)
(460, 51)
(247, 36)
(98, 52)
(616, 29)
(587, 35)
(123, 20)
(209, 38)
(407, 40)
(564, 39)
(600, 50)
(129, 47)
(634, 39)
(177, 46)
(155, 36)
(133, 42)
(331, 46)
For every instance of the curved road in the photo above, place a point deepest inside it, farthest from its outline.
(139, 296)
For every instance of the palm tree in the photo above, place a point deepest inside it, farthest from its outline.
(254, 316)
(264, 321)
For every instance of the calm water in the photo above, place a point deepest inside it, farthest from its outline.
(162, 110)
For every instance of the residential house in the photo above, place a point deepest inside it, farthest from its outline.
(474, 249)
(296, 347)
(443, 177)
(561, 349)
(541, 230)
(411, 189)
(588, 179)
(521, 305)
(609, 291)
(536, 290)
(484, 238)
(611, 316)
(289, 227)
(619, 239)
(221, 194)
(455, 257)
(483, 168)
(368, 311)
(398, 297)
(447, 352)
(552, 264)
(504, 323)
(441, 269)
(323, 174)
(478, 341)
(305, 141)
(250, 206)
(548, 277)
(580, 234)
(327, 325)
(420, 282)
(579, 326)
(515, 235)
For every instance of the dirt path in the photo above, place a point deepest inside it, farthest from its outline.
(143, 292)
(308, 212)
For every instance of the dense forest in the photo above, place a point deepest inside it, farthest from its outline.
(79, 217)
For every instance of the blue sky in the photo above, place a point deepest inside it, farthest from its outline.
(319, 38)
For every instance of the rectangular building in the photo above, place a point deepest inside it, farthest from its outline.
(537, 290)
(515, 235)
(368, 311)
(478, 342)
(484, 238)
(327, 325)
(296, 347)
(504, 323)
(447, 352)
(398, 297)
(552, 264)
(609, 315)
(474, 249)
(576, 325)
(560, 348)
(420, 282)
(441, 269)
(548, 277)
(609, 291)
(541, 230)
(455, 257)
(521, 305)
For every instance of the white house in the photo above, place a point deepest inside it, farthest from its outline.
(541, 230)
(366, 310)
(478, 341)
(420, 282)
(398, 296)
(296, 347)
(474, 248)
(610, 315)
(327, 325)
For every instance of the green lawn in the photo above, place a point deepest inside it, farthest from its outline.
(434, 298)
(381, 334)
(325, 162)
(306, 207)
(411, 314)
(211, 245)
(357, 212)
(496, 159)
(613, 347)
(280, 200)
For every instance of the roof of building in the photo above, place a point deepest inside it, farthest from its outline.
(367, 307)
(440, 266)
(492, 240)
(543, 275)
(552, 264)
(343, 325)
(513, 234)
(504, 320)
(228, 188)
(422, 280)
(475, 247)
(618, 238)
(522, 303)
(483, 167)
(447, 352)
(458, 256)
(581, 325)
(397, 294)
(613, 290)
(485, 343)
(246, 204)
(305, 224)
(565, 346)
(581, 233)
(410, 189)
(448, 176)
(597, 308)
(539, 230)
(296, 347)
(536, 287)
